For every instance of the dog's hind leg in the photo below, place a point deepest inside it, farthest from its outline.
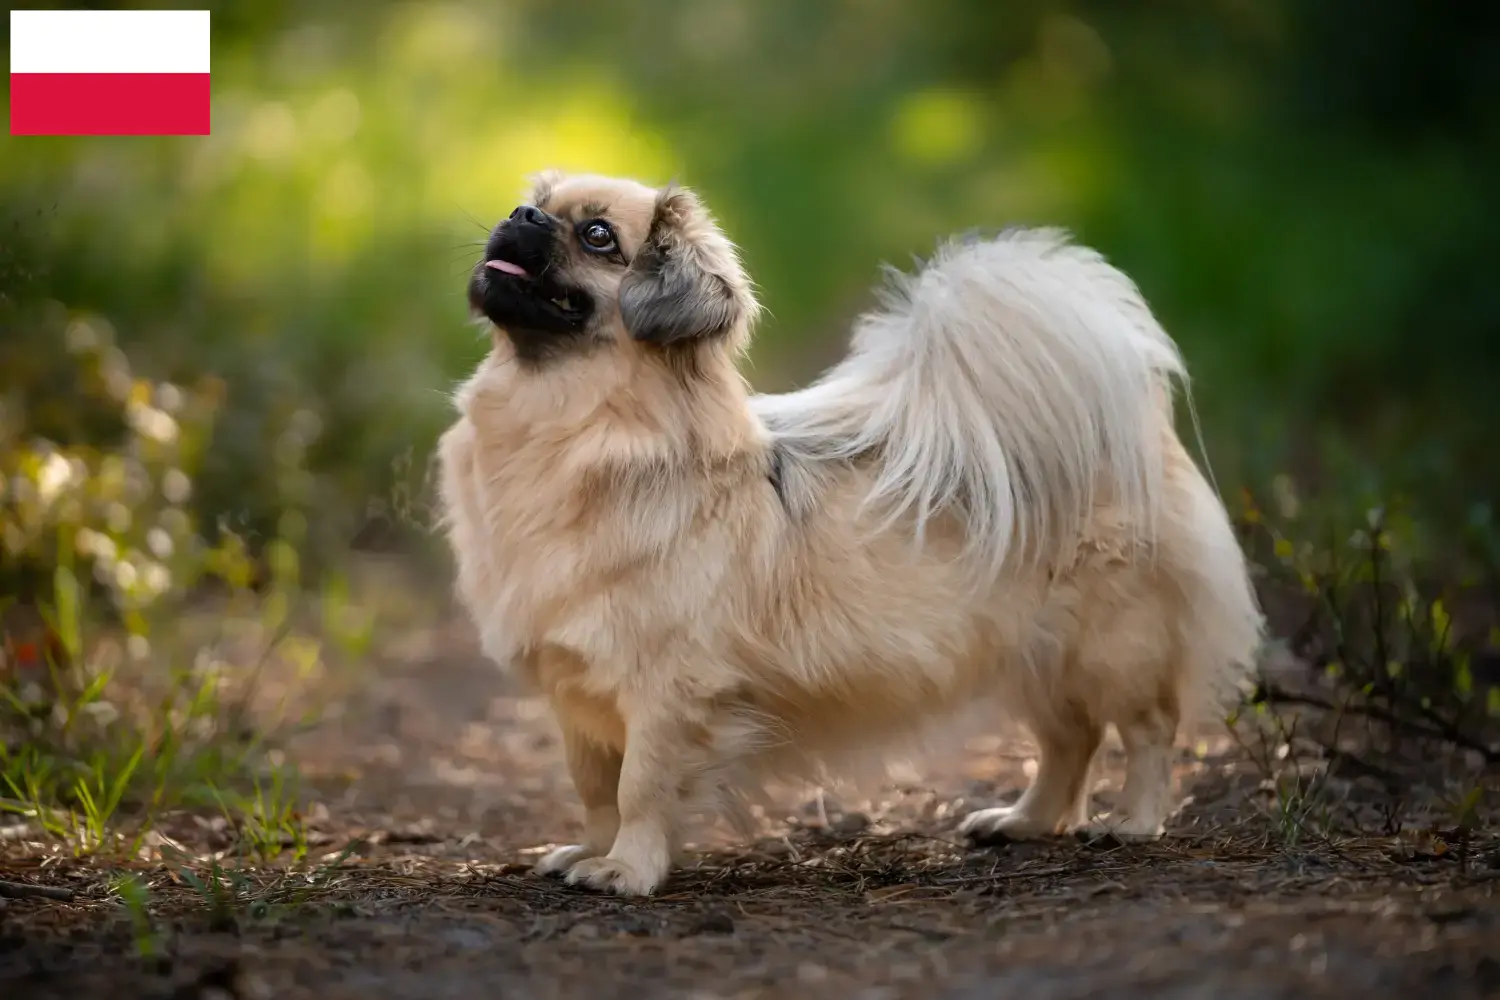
(1081, 812)
(1146, 801)
(1058, 793)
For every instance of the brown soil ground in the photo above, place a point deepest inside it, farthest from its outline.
(447, 783)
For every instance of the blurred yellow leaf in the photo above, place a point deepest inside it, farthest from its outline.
(67, 599)
(1463, 678)
(937, 127)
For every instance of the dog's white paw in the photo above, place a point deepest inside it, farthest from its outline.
(613, 875)
(1126, 829)
(559, 861)
(1003, 823)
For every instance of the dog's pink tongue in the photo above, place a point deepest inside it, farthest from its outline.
(507, 267)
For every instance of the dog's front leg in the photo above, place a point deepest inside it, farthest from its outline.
(595, 770)
(660, 756)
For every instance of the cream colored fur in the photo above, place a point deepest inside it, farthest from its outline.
(985, 500)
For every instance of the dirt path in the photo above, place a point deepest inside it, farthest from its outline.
(448, 780)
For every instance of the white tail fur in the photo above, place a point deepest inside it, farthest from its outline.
(1009, 381)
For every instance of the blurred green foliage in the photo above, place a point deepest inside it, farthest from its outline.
(1306, 190)
(134, 643)
(114, 502)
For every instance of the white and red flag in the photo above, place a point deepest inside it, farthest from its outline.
(109, 72)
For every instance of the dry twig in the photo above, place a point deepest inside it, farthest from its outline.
(23, 890)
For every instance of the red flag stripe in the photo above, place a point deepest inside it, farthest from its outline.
(109, 103)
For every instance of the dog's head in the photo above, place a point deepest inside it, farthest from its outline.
(589, 261)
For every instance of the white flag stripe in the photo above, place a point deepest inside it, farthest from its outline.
(109, 41)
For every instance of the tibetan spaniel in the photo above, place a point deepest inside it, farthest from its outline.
(985, 502)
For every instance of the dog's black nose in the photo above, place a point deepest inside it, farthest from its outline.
(526, 238)
(529, 214)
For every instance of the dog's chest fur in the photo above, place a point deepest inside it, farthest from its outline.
(589, 525)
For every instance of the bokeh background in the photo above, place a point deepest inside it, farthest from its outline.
(1306, 190)
(228, 651)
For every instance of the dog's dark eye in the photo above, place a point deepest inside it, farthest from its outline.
(598, 236)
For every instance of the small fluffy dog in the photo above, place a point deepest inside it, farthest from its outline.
(986, 500)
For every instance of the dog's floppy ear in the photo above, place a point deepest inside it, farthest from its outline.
(685, 283)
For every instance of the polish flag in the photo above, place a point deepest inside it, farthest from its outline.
(109, 72)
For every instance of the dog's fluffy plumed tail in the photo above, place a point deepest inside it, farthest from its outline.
(1015, 381)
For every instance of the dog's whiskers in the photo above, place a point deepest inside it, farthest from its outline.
(471, 218)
